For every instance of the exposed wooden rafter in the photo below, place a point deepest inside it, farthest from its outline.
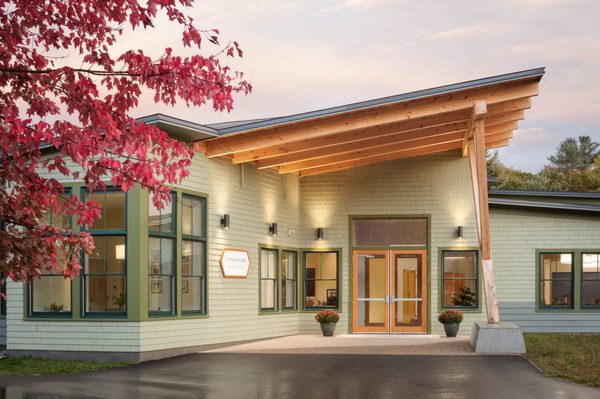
(479, 112)
(436, 105)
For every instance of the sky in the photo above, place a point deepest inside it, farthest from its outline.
(307, 55)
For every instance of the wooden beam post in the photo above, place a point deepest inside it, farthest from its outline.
(476, 149)
(478, 113)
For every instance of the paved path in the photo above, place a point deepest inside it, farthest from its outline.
(357, 344)
(305, 376)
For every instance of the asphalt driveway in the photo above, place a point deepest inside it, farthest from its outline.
(305, 376)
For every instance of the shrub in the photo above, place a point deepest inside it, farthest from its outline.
(327, 316)
(451, 317)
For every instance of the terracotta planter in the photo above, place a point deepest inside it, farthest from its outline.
(328, 329)
(451, 329)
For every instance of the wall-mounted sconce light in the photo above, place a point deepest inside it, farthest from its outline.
(273, 229)
(225, 221)
(459, 232)
(319, 233)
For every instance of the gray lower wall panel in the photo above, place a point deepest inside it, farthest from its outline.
(525, 316)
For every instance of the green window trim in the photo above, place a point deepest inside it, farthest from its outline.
(194, 240)
(2, 300)
(577, 281)
(85, 276)
(154, 278)
(278, 281)
(285, 279)
(442, 279)
(273, 279)
(338, 278)
(30, 291)
(596, 280)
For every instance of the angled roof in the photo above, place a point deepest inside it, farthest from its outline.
(406, 125)
(243, 126)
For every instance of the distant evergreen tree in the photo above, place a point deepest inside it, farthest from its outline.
(575, 154)
(574, 167)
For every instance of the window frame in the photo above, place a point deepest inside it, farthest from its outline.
(2, 300)
(84, 275)
(30, 291)
(442, 279)
(173, 237)
(539, 281)
(586, 308)
(282, 281)
(276, 281)
(203, 240)
(279, 250)
(338, 251)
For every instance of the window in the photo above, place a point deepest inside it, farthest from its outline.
(2, 300)
(321, 279)
(104, 270)
(193, 254)
(556, 280)
(161, 258)
(460, 279)
(268, 279)
(390, 232)
(590, 285)
(50, 294)
(288, 279)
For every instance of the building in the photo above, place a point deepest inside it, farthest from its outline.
(369, 208)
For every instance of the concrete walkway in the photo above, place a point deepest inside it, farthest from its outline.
(357, 344)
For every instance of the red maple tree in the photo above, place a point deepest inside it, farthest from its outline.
(64, 122)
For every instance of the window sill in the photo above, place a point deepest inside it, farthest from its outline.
(318, 309)
(112, 316)
(50, 316)
(161, 315)
(464, 310)
(193, 315)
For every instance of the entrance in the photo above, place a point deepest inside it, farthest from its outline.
(389, 291)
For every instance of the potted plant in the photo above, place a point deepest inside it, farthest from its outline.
(327, 318)
(451, 320)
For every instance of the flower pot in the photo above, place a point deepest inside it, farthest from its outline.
(328, 329)
(451, 329)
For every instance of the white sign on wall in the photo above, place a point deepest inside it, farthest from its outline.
(235, 263)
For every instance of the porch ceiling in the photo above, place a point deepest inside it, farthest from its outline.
(414, 124)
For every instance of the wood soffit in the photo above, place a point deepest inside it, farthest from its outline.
(441, 123)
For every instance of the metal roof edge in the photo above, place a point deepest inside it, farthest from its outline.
(532, 193)
(529, 73)
(170, 120)
(545, 205)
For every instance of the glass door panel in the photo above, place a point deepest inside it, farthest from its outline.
(409, 291)
(371, 308)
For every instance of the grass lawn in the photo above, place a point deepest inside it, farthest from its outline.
(573, 357)
(35, 366)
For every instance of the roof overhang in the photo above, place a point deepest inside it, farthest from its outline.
(412, 124)
(179, 128)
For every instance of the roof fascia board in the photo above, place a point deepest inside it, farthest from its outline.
(531, 193)
(545, 205)
(169, 120)
(363, 105)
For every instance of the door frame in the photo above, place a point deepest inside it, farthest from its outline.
(354, 289)
(389, 327)
(423, 328)
(352, 248)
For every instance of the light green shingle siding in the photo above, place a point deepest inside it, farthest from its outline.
(516, 235)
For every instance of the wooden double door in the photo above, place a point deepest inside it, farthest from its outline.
(389, 291)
